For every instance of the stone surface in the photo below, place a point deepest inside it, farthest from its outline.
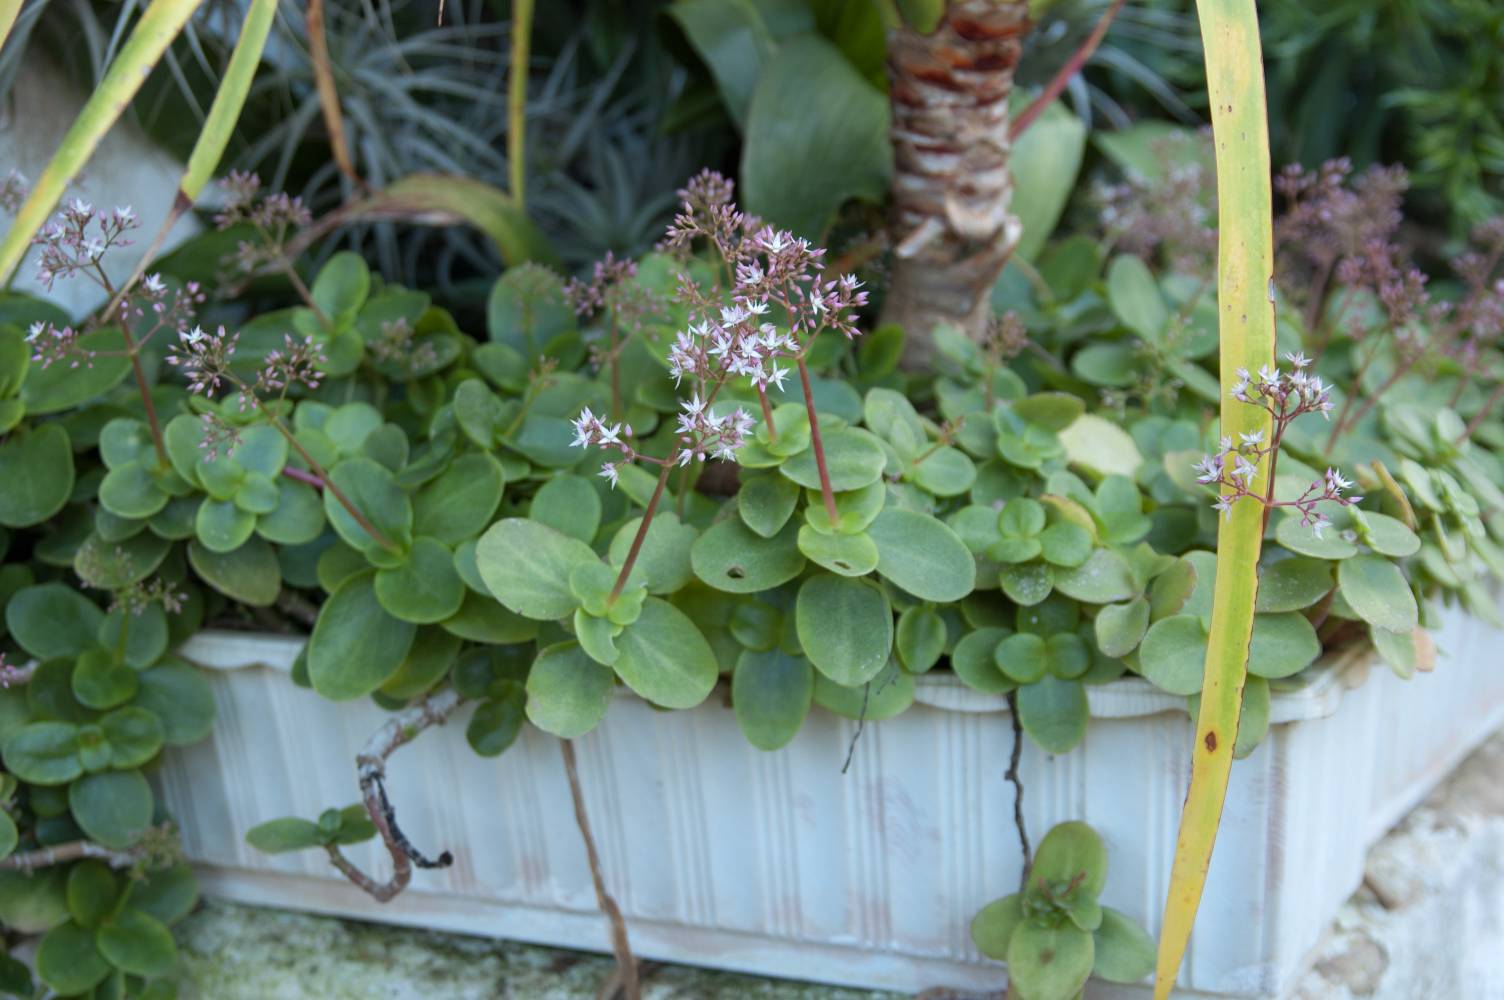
(1428, 923)
(232, 952)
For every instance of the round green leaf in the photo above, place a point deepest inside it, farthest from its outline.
(665, 658)
(169, 894)
(922, 556)
(298, 517)
(221, 526)
(9, 836)
(1303, 540)
(993, 926)
(1135, 298)
(1173, 654)
(888, 694)
(845, 627)
(258, 494)
(771, 693)
(1387, 535)
(100, 682)
(134, 736)
(567, 692)
(853, 458)
(145, 633)
(129, 490)
(1104, 578)
(341, 287)
(1283, 644)
(62, 387)
(1375, 588)
(663, 563)
(424, 589)
(249, 574)
(1049, 961)
(1022, 658)
(497, 722)
(729, 556)
(1293, 584)
(181, 699)
(920, 638)
(68, 960)
(1022, 517)
(356, 646)
(138, 943)
(1072, 851)
(847, 555)
(765, 502)
(92, 891)
(1123, 952)
(52, 620)
(1120, 627)
(945, 472)
(570, 505)
(112, 807)
(1027, 584)
(973, 661)
(373, 490)
(43, 753)
(526, 565)
(1065, 544)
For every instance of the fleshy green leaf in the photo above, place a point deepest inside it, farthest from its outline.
(923, 556)
(771, 693)
(1124, 952)
(665, 658)
(138, 943)
(1054, 713)
(567, 692)
(356, 645)
(845, 626)
(1376, 589)
(112, 807)
(993, 926)
(729, 556)
(526, 565)
(36, 475)
(1049, 961)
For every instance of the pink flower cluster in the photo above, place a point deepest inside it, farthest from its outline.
(702, 433)
(737, 342)
(275, 217)
(76, 241)
(1233, 469)
(1286, 395)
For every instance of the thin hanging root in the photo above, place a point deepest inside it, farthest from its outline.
(623, 982)
(399, 730)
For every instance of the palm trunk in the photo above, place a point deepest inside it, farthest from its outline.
(951, 229)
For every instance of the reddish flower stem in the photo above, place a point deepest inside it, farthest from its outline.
(819, 446)
(293, 472)
(767, 414)
(335, 491)
(642, 529)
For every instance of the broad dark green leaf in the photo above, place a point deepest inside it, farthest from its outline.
(665, 658)
(112, 807)
(923, 556)
(36, 475)
(845, 627)
(526, 565)
(356, 646)
(567, 692)
(771, 693)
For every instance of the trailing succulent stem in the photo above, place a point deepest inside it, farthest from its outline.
(623, 982)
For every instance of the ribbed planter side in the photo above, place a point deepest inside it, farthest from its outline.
(777, 863)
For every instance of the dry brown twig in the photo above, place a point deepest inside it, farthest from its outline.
(623, 982)
(398, 731)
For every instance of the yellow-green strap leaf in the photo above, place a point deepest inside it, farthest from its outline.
(158, 26)
(228, 101)
(1245, 256)
(8, 11)
(522, 30)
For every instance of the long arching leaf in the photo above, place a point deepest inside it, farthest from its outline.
(1245, 282)
(522, 31)
(219, 125)
(159, 25)
(448, 200)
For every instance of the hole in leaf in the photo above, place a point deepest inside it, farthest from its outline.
(843, 564)
(736, 572)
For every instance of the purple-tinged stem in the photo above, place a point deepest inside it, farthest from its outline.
(818, 445)
(642, 529)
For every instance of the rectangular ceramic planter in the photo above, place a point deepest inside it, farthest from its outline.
(776, 863)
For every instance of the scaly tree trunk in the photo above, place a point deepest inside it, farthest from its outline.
(951, 229)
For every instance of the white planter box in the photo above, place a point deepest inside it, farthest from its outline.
(726, 856)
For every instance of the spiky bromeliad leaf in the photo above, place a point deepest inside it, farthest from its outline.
(159, 25)
(1240, 128)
